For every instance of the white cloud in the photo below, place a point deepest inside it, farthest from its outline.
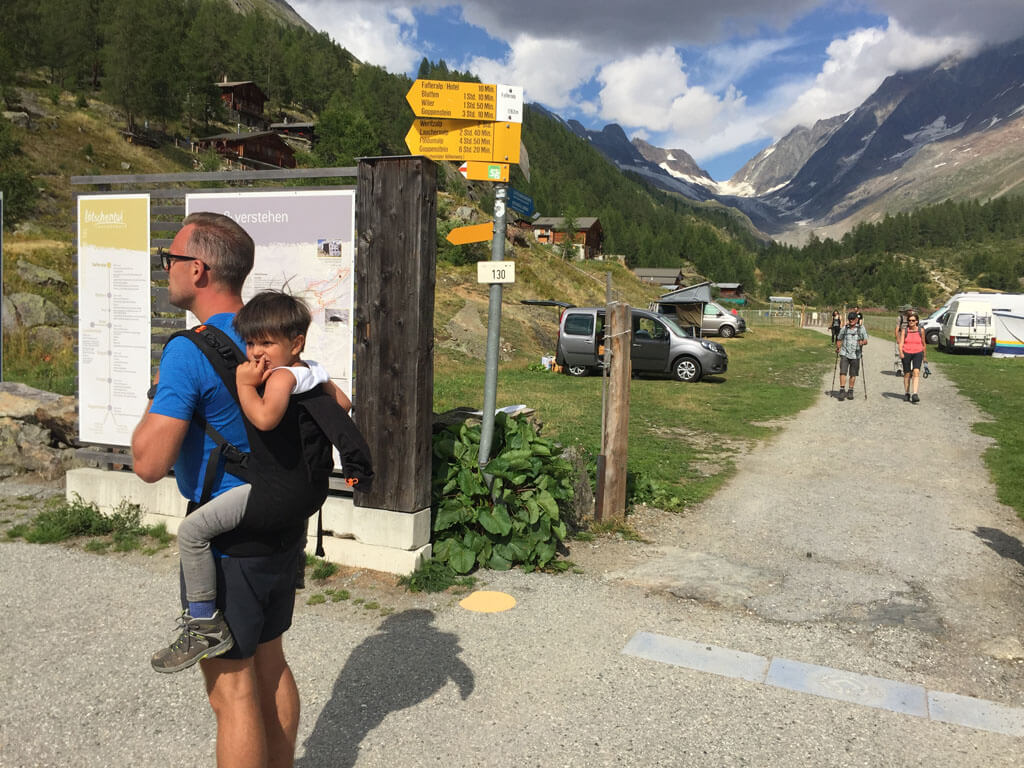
(650, 94)
(371, 31)
(549, 70)
(731, 62)
(857, 65)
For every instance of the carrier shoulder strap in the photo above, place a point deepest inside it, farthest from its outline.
(224, 356)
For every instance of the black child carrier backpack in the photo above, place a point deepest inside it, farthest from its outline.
(288, 467)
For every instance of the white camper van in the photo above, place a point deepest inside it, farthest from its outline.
(932, 325)
(968, 326)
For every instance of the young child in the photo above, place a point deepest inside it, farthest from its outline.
(273, 325)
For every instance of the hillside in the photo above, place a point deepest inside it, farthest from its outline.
(65, 139)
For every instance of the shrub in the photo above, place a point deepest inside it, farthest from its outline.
(518, 520)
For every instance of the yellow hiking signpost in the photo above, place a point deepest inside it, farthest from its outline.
(457, 140)
(466, 101)
(480, 126)
(472, 233)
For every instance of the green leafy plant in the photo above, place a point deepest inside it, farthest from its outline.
(434, 576)
(65, 519)
(515, 521)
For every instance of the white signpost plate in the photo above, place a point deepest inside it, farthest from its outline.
(495, 271)
(508, 104)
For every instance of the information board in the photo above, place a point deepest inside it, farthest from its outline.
(305, 244)
(114, 311)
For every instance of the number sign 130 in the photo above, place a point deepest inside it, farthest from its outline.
(495, 271)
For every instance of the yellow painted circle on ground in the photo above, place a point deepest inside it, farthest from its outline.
(483, 601)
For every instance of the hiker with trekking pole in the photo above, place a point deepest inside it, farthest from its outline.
(848, 350)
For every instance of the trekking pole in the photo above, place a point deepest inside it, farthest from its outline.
(834, 369)
(863, 371)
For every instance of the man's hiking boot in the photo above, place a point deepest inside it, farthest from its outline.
(915, 399)
(907, 396)
(199, 639)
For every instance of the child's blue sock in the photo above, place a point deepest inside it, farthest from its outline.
(202, 609)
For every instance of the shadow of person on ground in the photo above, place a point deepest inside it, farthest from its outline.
(1003, 544)
(406, 662)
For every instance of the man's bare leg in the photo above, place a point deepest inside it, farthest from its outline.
(232, 688)
(279, 697)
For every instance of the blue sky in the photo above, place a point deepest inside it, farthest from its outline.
(720, 80)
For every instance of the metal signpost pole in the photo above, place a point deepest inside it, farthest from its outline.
(493, 331)
(1, 284)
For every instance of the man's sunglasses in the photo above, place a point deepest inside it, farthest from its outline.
(166, 259)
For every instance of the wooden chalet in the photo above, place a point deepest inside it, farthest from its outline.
(666, 277)
(263, 149)
(306, 131)
(244, 101)
(587, 242)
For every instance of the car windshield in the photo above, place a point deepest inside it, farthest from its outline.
(673, 326)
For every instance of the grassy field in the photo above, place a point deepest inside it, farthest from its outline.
(997, 386)
(684, 439)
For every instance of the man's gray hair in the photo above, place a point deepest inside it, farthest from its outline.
(223, 245)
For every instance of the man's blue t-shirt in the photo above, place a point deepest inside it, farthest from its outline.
(189, 386)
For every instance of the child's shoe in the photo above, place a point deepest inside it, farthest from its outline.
(199, 639)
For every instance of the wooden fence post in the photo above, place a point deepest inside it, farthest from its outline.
(396, 204)
(611, 501)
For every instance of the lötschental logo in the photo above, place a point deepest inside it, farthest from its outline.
(106, 219)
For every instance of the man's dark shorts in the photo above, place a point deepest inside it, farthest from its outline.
(257, 596)
(849, 365)
(912, 361)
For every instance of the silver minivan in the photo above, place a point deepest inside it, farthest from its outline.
(659, 345)
(719, 320)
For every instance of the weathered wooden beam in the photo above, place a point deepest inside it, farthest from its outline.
(396, 203)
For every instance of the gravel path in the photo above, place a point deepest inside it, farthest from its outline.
(828, 547)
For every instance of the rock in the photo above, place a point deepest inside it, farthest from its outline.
(24, 448)
(31, 310)
(464, 213)
(52, 336)
(56, 413)
(21, 119)
(10, 320)
(126, 166)
(37, 275)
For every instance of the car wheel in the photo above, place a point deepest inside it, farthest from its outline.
(686, 369)
(932, 337)
(577, 370)
(727, 331)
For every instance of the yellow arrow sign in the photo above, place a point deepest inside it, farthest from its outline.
(461, 101)
(474, 170)
(466, 101)
(474, 233)
(465, 140)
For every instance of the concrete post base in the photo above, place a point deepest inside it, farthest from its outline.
(360, 537)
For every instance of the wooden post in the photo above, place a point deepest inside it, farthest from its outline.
(611, 501)
(396, 204)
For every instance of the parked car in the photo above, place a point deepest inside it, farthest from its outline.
(932, 324)
(658, 345)
(721, 321)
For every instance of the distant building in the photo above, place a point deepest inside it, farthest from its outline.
(730, 292)
(587, 242)
(305, 131)
(244, 102)
(264, 149)
(666, 277)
